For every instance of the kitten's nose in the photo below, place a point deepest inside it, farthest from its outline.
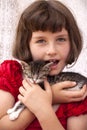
(34, 80)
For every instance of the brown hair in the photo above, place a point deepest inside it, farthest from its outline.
(45, 15)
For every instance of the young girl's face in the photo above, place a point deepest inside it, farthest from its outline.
(50, 46)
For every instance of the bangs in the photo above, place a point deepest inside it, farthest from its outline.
(46, 20)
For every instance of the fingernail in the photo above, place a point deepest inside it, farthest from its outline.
(74, 83)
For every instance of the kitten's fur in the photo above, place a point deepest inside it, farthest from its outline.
(36, 71)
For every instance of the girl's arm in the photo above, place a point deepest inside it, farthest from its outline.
(79, 122)
(25, 118)
(62, 95)
(48, 119)
(39, 101)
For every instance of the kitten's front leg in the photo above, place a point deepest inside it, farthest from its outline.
(11, 110)
(16, 110)
(14, 115)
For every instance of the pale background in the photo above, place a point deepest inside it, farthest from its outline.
(10, 11)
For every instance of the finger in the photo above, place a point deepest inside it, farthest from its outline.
(29, 82)
(26, 84)
(20, 97)
(78, 99)
(78, 93)
(22, 91)
(82, 91)
(66, 84)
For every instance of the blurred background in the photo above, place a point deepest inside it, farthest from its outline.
(10, 11)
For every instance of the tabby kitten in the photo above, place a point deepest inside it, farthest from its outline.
(36, 71)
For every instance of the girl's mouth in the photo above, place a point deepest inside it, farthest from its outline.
(54, 63)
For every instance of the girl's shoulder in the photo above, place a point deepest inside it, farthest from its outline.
(10, 66)
(11, 76)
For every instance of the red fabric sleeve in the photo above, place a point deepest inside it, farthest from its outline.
(67, 110)
(11, 77)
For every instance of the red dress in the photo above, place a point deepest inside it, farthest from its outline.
(11, 80)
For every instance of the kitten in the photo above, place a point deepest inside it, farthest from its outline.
(36, 71)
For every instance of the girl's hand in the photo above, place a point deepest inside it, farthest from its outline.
(62, 95)
(39, 102)
(34, 97)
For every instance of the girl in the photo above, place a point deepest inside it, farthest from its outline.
(46, 31)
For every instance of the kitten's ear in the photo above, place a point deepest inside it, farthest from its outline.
(47, 68)
(25, 66)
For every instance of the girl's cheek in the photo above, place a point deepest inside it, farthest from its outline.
(38, 53)
(36, 56)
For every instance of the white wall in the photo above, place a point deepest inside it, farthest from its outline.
(10, 11)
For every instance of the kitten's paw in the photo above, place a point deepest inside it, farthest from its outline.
(13, 116)
(9, 111)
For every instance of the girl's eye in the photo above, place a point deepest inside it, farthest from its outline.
(61, 39)
(41, 41)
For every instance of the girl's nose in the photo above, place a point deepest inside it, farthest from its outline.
(51, 50)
